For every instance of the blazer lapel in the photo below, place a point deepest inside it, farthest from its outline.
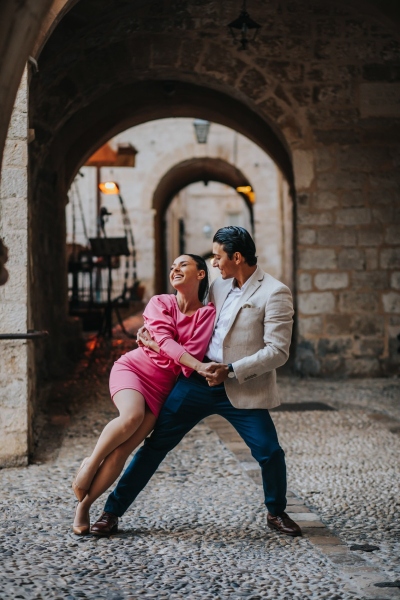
(220, 295)
(253, 285)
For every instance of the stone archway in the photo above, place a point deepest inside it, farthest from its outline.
(177, 178)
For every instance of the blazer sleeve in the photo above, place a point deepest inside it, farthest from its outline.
(278, 323)
(162, 325)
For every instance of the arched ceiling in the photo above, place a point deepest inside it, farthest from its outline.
(180, 176)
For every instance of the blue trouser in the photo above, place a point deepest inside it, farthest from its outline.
(190, 401)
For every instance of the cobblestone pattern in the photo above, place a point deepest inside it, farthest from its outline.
(199, 529)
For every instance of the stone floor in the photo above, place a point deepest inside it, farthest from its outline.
(199, 529)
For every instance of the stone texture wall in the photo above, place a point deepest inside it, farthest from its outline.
(323, 78)
(161, 146)
(15, 363)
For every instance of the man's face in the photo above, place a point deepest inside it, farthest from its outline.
(221, 260)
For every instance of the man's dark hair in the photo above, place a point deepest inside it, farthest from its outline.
(204, 283)
(237, 239)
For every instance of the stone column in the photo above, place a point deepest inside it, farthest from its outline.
(15, 355)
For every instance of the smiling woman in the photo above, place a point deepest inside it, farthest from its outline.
(141, 380)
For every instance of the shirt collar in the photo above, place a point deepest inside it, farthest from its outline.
(235, 288)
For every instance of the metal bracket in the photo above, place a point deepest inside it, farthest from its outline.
(31, 334)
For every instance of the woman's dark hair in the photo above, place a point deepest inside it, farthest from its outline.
(237, 239)
(204, 283)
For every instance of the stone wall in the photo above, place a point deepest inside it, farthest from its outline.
(15, 366)
(318, 90)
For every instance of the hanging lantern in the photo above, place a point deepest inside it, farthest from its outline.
(246, 26)
(201, 128)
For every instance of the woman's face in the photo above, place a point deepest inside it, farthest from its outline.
(184, 273)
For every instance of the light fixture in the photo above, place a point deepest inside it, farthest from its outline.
(109, 187)
(247, 190)
(244, 23)
(201, 128)
(207, 230)
(244, 189)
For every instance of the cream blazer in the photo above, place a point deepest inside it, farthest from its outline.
(257, 339)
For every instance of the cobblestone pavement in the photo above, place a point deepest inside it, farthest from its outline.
(199, 529)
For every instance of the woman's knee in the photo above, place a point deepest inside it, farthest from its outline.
(131, 421)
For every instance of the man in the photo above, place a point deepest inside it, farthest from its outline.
(251, 339)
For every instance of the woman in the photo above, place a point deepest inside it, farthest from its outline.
(141, 380)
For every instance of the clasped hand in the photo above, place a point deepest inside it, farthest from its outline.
(215, 373)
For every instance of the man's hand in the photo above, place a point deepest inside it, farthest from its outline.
(215, 373)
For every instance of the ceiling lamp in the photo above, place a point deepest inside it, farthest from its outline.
(244, 23)
(247, 190)
(109, 187)
(201, 128)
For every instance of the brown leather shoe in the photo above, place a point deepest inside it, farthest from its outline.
(284, 524)
(106, 525)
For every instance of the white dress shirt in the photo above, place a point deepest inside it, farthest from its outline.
(214, 350)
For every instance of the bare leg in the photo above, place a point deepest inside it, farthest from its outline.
(131, 406)
(112, 467)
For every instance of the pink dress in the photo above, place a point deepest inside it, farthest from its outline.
(153, 374)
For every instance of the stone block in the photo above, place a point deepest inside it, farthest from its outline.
(341, 181)
(367, 325)
(373, 347)
(337, 324)
(331, 281)
(17, 243)
(316, 258)
(310, 326)
(370, 236)
(383, 214)
(390, 258)
(336, 236)
(14, 214)
(16, 286)
(305, 282)
(364, 157)
(13, 318)
(395, 280)
(391, 302)
(306, 217)
(358, 302)
(380, 100)
(314, 303)
(18, 128)
(353, 216)
(362, 367)
(14, 183)
(371, 259)
(339, 345)
(376, 280)
(306, 363)
(253, 83)
(351, 258)
(354, 198)
(325, 201)
(393, 234)
(324, 158)
(15, 153)
(306, 236)
(303, 162)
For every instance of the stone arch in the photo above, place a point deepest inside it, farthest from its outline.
(177, 178)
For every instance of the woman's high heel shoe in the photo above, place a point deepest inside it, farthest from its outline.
(80, 529)
(79, 492)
